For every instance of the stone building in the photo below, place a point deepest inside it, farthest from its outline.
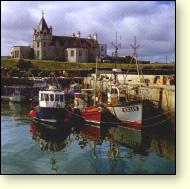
(74, 48)
(22, 52)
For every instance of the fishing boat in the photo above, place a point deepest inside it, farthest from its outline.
(83, 103)
(92, 115)
(90, 111)
(127, 113)
(52, 109)
(74, 88)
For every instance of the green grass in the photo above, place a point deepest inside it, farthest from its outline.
(60, 65)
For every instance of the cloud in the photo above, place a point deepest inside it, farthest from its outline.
(153, 23)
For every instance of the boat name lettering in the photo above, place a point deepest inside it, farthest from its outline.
(130, 109)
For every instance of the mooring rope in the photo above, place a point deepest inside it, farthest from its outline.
(117, 123)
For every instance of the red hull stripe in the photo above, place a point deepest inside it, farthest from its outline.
(131, 123)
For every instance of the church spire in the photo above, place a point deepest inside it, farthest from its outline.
(42, 25)
(43, 14)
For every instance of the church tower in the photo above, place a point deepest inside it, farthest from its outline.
(42, 37)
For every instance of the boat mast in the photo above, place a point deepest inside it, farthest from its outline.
(115, 54)
(135, 47)
(95, 81)
(116, 47)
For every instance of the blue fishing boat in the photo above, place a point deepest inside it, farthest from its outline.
(52, 109)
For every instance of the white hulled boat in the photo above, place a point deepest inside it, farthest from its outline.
(51, 108)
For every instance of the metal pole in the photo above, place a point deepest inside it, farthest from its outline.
(95, 81)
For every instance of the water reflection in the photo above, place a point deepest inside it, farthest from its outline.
(51, 140)
(17, 111)
(84, 149)
(138, 142)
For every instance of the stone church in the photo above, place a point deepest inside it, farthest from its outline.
(46, 46)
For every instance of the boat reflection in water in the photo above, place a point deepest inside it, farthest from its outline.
(111, 148)
(49, 139)
(159, 140)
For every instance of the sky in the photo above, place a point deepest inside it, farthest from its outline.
(152, 22)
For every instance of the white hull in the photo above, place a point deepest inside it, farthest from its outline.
(129, 115)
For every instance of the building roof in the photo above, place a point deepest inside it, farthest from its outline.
(74, 42)
(42, 25)
(21, 47)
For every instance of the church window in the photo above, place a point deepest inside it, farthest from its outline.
(45, 44)
(80, 53)
(72, 52)
(38, 44)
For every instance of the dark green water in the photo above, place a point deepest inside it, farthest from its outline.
(31, 149)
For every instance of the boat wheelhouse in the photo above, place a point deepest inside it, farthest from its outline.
(51, 109)
(52, 98)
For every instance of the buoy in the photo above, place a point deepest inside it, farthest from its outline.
(33, 113)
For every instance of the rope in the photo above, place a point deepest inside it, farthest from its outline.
(116, 123)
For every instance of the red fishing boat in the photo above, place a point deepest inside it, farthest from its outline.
(92, 115)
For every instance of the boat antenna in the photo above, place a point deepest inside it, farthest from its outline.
(116, 47)
(135, 57)
(135, 47)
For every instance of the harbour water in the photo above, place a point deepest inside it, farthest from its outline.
(27, 148)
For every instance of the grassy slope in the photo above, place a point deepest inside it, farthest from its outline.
(56, 65)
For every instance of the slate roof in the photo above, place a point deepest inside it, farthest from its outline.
(42, 25)
(74, 42)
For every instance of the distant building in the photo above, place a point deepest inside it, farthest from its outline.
(46, 46)
(22, 52)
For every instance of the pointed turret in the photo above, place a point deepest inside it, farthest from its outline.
(41, 39)
(42, 25)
